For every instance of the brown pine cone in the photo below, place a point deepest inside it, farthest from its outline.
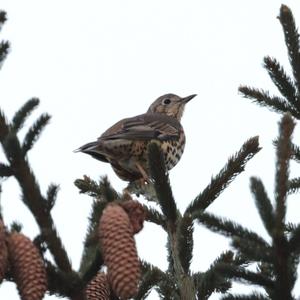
(27, 267)
(136, 214)
(119, 251)
(3, 252)
(98, 288)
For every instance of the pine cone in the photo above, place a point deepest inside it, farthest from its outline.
(119, 251)
(98, 288)
(3, 252)
(136, 214)
(27, 267)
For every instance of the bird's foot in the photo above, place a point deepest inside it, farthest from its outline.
(145, 178)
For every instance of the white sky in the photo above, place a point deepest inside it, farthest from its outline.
(92, 63)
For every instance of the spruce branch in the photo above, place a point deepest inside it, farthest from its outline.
(151, 277)
(177, 246)
(235, 165)
(281, 258)
(91, 263)
(56, 279)
(3, 18)
(52, 195)
(12, 148)
(252, 250)
(170, 256)
(106, 190)
(1, 216)
(210, 281)
(103, 193)
(185, 282)
(295, 150)
(39, 242)
(244, 276)
(34, 132)
(254, 296)
(168, 288)
(266, 269)
(293, 185)
(154, 216)
(295, 155)
(290, 227)
(4, 50)
(88, 186)
(5, 170)
(4, 127)
(294, 241)
(263, 204)
(31, 193)
(288, 87)
(16, 226)
(161, 182)
(4, 45)
(101, 190)
(264, 99)
(23, 113)
(282, 81)
(92, 260)
(146, 190)
(229, 228)
(62, 283)
(286, 128)
(282, 265)
(291, 36)
(185, 242)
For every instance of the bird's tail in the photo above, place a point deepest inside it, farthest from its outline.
(92, 149)
(86, 148)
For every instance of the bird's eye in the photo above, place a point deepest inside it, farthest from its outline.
(167, 101)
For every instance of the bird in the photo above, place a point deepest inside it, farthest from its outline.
(124, 145)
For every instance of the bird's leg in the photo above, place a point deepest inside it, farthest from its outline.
(145, 177)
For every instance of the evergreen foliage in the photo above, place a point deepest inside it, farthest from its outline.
(276, 259)
(288, 86)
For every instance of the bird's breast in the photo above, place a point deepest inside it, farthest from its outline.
(173, 151)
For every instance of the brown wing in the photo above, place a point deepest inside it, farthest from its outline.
(144, 127)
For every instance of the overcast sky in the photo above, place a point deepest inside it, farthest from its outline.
(92, 63)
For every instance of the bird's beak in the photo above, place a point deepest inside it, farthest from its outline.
(188, 98)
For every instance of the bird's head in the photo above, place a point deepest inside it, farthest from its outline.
(170, 104)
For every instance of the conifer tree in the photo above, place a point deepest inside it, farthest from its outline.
(276, 261)
(115, 216)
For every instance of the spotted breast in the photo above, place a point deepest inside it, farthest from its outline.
(173, 151)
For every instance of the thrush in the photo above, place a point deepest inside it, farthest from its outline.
(124, 145)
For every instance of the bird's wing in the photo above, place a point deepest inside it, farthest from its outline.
(144, 127)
